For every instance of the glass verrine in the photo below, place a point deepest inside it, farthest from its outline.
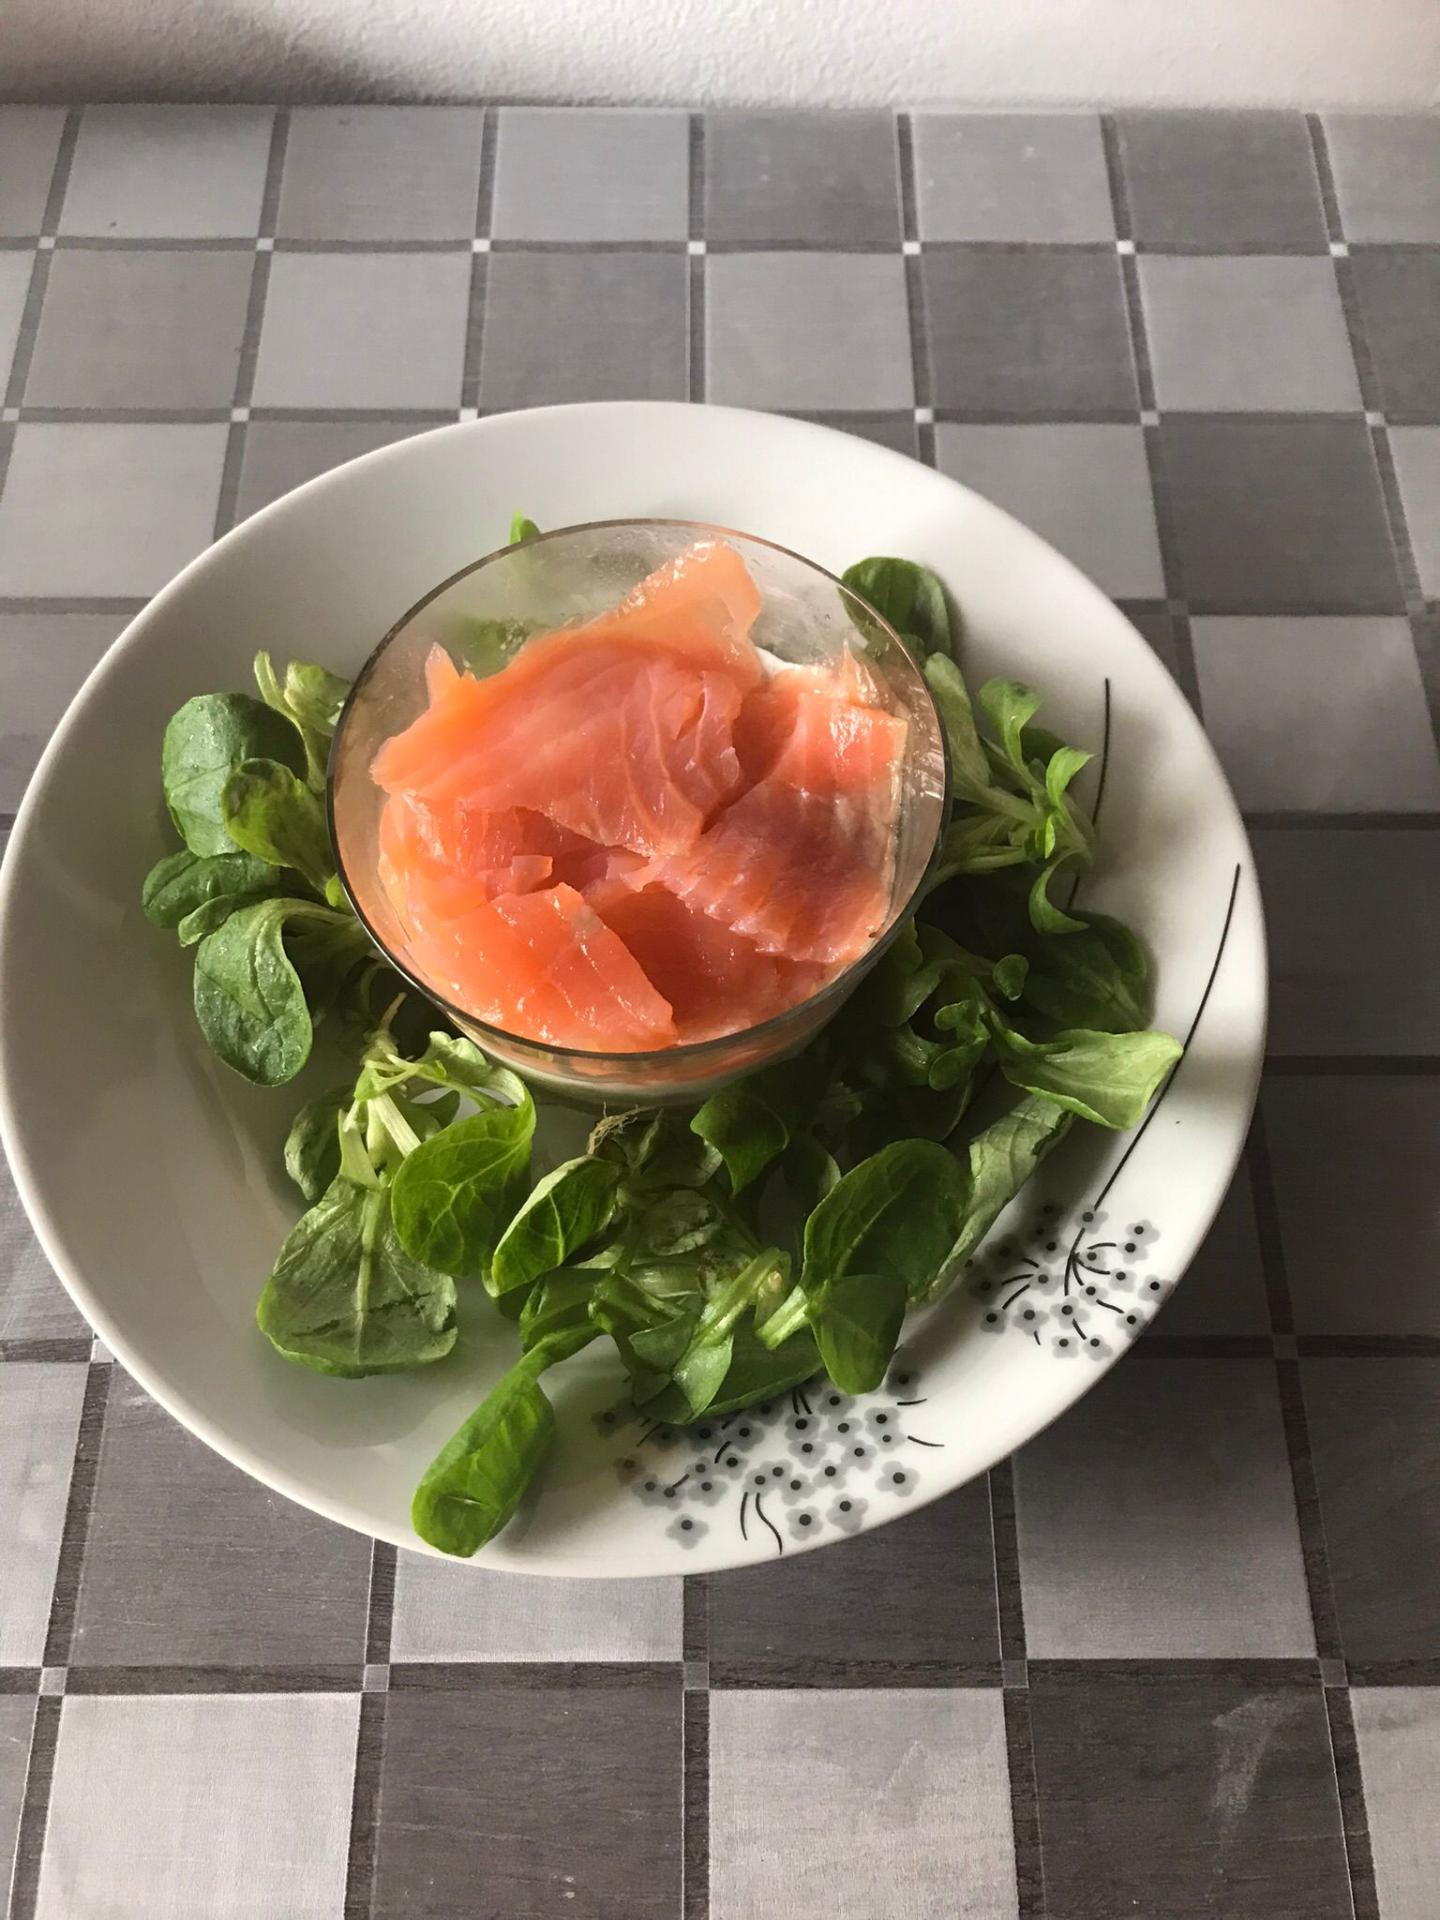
(486, 613)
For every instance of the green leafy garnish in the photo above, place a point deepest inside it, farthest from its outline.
(206, 741)
(910, 597)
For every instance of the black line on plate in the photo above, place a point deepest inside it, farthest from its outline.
(1169, 1080)
(765, 1520)
(1104, 759)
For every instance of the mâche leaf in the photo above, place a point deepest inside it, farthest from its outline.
(475, 1482)
(179, 886)
(910, 597)
(346, 1298)
(204, 743)
(270, 813)
(1106, 1078)
(561, 1215)
(897, 1212)
(454, 1195)
(249, 996)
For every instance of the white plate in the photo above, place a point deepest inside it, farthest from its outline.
(152, 1175)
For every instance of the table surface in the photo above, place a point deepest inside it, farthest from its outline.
(1182, 1655)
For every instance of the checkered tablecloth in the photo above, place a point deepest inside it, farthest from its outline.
(1181, 1657)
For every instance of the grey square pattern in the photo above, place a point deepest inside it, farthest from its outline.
(106, 510)
(1158, 1521)
(802, 331)
(370, 330)
(1387, 174)
(33, 1304)
(1335, 989)
(914, 1803)
(825, 179)
(199, 1809)
(1263, 335)
(1356, 735)
(381, 173)
(1012, 177)
(584, 326)
(177, 173)
(594, 175)
(1284, 513)
(191, 1563)
(587, 1802)
(1182, 1656)
(996, 318)
(29, 146)
(1361, 1255)
(1086, 489)
(135, 330)
(1399, 289)
(1222, 183)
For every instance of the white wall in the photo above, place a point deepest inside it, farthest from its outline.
(1244, 52)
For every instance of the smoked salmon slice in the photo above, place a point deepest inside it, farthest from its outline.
(802, 862)
(703, 968)
(640, 832)
(545, 964)
(620, 729)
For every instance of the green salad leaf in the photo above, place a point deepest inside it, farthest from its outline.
(249, 996)
(182, 885)
(910, 597)
(474, 1484)
(271, 814)
(208, 739)
(562, 1214)
(346, 1298)
(455, 1194)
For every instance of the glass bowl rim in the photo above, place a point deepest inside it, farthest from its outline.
(691, 1050)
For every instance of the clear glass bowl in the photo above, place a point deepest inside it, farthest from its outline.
(807, 617)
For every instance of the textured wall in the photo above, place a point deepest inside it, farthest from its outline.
(1316, 52)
